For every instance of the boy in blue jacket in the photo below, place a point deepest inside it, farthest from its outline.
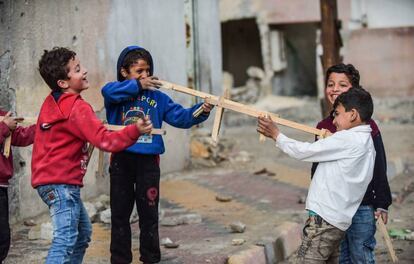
(135, 172)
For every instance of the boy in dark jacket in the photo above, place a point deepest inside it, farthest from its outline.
(60, 153)
(20, 136)
(135, 173)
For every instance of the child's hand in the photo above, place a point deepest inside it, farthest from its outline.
(207, 107)
(144, 125)
(10, 121)
(266, 127)
(150, 83)
(382, 214)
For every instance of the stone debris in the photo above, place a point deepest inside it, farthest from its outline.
(265, 172)
(168, 243)
(301, 199)
(251, 91)
(165, 240)
(206, 153)
(105, 216)
(91, 209)
(237, 227)
(171, 245)
(29, 222)
(223, 198)
(184, 219)
(241, 156)
(46, 231)
(238, 241)
(34, 233)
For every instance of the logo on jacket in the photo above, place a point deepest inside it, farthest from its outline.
(131, 117)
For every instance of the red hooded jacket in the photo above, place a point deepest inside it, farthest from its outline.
(21, 137)
(62, 131)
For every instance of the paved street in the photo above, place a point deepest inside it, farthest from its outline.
(262, 201)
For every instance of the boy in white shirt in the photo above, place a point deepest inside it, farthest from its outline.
(346, 163)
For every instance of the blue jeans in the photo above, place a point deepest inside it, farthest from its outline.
(359, 242)
(72, 228)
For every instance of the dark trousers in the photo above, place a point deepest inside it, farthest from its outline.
(134, 178)
(4, 224)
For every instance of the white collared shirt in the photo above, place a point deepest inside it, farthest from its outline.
(346, 164)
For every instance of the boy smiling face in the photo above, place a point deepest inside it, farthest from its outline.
(337, 83)
(139, 70)
(77, 78)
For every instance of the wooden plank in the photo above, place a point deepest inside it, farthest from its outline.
(217, 122)
(244, 109)
(154, 131)
(387, 239)
(101, 163)
(7, 146)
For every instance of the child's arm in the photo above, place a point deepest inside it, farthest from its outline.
(4, 132)
(381, 187)
(23, 136)
(328, 149)
(117, 92)
(91, 129)
(178, 116)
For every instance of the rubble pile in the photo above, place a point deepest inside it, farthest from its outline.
(205, 153)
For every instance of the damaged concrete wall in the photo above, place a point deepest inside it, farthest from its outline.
(376, 35)
(385, 59)
(97, 30)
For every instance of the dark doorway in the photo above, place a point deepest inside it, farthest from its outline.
(241, 48)
(299, 76)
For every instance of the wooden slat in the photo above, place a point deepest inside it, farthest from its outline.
(244, 109)
(387, 239)
(7, 146)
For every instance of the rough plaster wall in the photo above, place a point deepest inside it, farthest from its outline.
(97, 30)
(150, 24)
(208, 32)
(39, 25)
(5, 102)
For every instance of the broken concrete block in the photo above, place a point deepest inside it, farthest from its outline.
(34, 233)
(46, 231)
(91, 209)
(199, 150)
(165, 240)
(238, 241)
(171, 245)
(237, 227)
(29, 222)
(223, 198)
(191, 219)
(105, 216)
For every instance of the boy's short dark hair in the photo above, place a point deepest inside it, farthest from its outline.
(53, 66)
(359, 99)
(133, 56)
(348, 69)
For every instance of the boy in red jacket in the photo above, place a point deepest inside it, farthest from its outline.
(20, 136)
(66, 123)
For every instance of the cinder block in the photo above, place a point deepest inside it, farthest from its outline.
(289, 236)
(253, 255)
